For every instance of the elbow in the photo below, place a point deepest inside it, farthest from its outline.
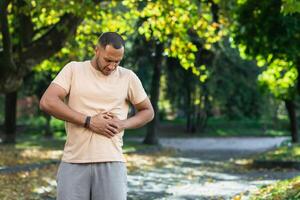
(43, 104)
(152, 115)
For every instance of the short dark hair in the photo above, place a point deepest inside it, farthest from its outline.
(111, 38)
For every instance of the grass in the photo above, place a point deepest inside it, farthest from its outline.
(244, 127)
(219, 127)
(281, 190)
(287, 152)
(287, 155)
(140, 132)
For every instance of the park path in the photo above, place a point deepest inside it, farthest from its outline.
(202, 169)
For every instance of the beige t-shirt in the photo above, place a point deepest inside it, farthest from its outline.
(90, 92)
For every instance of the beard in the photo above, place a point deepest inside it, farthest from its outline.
(103, 69)
(98, 64)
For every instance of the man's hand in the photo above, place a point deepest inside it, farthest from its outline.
(102, 124)
(116, 123)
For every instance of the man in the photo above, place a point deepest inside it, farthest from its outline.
(93, 98)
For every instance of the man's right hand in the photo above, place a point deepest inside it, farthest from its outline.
(101, 124)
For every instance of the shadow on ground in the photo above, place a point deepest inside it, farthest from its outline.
(203, 174)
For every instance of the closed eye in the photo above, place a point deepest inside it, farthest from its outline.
(111, 61)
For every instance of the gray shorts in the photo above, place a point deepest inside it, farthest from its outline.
(92, 181)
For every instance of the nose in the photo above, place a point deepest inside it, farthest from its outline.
(112, 66)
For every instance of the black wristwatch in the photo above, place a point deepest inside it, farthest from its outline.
(87, 122)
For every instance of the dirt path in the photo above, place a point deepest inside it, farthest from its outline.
(205, 173)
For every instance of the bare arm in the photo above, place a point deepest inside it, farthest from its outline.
(52, 102)
(144, 115)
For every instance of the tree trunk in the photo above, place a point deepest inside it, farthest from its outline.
(203, 114)
(188, 103)
(291, 109)
(10, 117)
(151, 136)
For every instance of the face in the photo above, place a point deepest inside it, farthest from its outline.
(108, 58)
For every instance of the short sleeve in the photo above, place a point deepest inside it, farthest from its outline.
(136, 92)
(64, 77)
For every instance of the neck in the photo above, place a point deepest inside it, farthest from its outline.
(95, 64)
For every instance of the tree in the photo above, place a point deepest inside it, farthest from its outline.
(233, 83)
(186, 93)
(32, 32)
(264, 33)
(171, 25)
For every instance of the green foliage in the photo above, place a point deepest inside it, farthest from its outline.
(282, 190)
(284, 153)
(280, 78)
(219, 127)
(183, 82)
(39, 79)
(108, 16)
(223, 127)
(263, 32)
(140, 59)
(44, 14)
(233, 84)
(172, 22)
(290, 6)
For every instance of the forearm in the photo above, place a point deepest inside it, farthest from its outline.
(139, 119)
(57, 108)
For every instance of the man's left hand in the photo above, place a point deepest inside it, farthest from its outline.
(115, 122)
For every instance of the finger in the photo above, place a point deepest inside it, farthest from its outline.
(107, 117)
(112, 129)
(111, 115)
(114, 125)
(109, 132)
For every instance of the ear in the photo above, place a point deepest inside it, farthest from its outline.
(96, 48)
